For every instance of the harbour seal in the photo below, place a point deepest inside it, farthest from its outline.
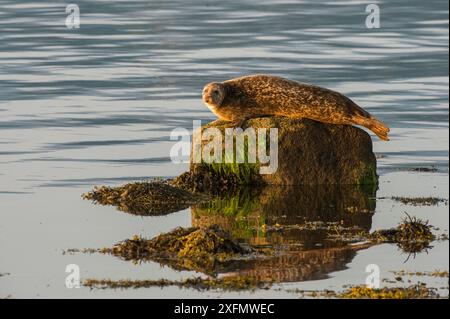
(239, 99)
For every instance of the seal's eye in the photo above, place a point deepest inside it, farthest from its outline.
(215, 92)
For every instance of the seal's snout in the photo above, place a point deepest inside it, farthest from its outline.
(206, 97)
(213, 94)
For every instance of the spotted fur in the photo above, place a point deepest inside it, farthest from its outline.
(264, 95)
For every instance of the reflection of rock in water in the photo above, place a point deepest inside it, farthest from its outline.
(245, 215)
(295, 266)
(296, 222)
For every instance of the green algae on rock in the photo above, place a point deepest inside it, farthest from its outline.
(144, 198)
(183, 248)
(215, 179)
(309, 153)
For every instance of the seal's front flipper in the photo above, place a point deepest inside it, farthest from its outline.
(239, 123)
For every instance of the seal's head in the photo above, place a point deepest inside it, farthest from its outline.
(213, 95)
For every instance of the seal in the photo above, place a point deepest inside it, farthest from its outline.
(240, 99)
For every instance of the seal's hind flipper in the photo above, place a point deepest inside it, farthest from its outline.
(379, 128)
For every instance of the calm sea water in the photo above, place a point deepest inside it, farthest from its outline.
(96, 105)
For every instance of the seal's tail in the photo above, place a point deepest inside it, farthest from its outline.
(379, 128)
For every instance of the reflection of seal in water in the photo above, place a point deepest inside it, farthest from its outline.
(252, 96)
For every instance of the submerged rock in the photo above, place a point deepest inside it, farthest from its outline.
(309, 153)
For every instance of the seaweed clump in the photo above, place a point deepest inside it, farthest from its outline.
(183, 248)
(419, 291)
(413, 235)
(424, 169)
(416, 291)
(143, 198)
(420, 201)
(226, 283)
(435, 273)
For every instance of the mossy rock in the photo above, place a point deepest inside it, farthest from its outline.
(309, 153)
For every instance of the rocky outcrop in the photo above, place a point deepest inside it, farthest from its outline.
(309, 153)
